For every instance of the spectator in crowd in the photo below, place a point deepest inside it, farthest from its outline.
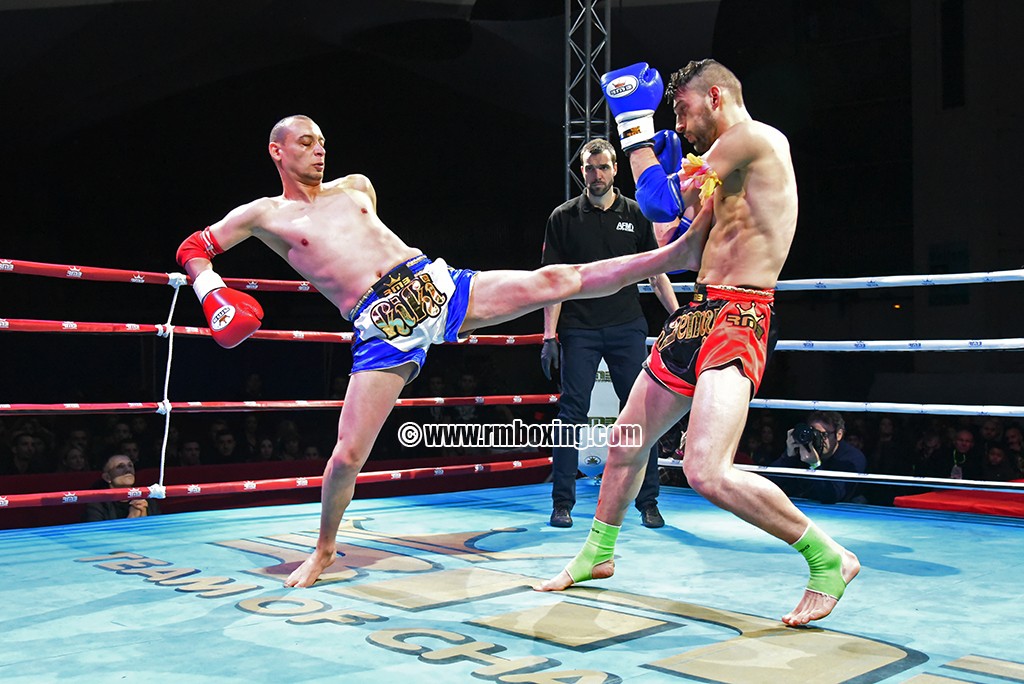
(216, 426)
(288, 447)
(997, 467)
(139, 424)
(1014, 439)
(118, 473)
(149, 455)
(965, 461)
(889, 454)
(118, 432)
(930, 458)
(250, 440)
(72, 460)
(990, 434)
(855, 439)
(227, 447)
(22, 458)
(130, 448)
(311, 452)
(826, 450)
(190, 453)
(762, 449)
(266, 449)
(79, 437)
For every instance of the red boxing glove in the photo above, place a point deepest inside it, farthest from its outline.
(233, 316)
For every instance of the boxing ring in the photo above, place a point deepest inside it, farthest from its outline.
(439, 585)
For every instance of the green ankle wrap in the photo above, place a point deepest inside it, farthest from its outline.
(599, 547)
(825, 562)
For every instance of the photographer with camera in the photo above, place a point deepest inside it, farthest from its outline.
(818, 444)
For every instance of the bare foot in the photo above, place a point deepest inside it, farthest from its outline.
(563, 581)
(815, 605)
(306, 574)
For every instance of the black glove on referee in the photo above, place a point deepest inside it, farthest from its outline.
(549, 356)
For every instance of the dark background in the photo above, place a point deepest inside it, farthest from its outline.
(128, 125)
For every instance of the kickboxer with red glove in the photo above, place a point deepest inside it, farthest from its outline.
(233, 316)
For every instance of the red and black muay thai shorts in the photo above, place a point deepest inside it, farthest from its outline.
(721, 326)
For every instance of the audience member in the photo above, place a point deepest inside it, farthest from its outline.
(990, 434)
(250, 442)
(119, 472)
(130, 448)
(997, 467)
(190, 453)
(930, 458)
(889, 454)
(265, 451)
(288, 447)
(762, 448)
(227, 447)
(72, 459)
(965, 461)
(117, 432)
(827, 448)
(22, 459)
(1014, 439)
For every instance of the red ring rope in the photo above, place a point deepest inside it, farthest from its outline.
(117, 275)
(234, 406)
(34, 325)
(121, 494)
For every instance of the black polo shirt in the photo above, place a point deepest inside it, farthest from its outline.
(577, 232)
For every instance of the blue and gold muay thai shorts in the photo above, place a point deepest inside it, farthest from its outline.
(414, 305)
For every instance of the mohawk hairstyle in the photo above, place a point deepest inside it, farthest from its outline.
(703, 74)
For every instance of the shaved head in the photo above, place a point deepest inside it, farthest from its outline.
(280, 129)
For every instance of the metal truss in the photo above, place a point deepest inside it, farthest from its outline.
(587, 56)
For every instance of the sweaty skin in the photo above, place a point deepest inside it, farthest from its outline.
(330, 233)
(755, 214)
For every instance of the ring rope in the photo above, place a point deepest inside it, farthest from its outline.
(164, 329)
(494, 400)
(165, 407)
(117, 275)
(845, 476)
(890, 407)
(1004, 344)
(872, 282)
(147, 277)
(190, 490)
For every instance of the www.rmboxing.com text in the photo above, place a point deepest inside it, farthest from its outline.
(518, 434)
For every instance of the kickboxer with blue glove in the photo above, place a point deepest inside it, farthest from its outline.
(710, 356)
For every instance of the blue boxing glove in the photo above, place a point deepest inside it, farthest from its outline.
(669, 150)
(657, 190)
(633, 93)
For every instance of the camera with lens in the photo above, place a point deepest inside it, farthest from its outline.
(809, 437)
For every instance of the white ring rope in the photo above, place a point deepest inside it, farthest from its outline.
(889, 407)
(1006, 344)
(846, 476)
(872, 282)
